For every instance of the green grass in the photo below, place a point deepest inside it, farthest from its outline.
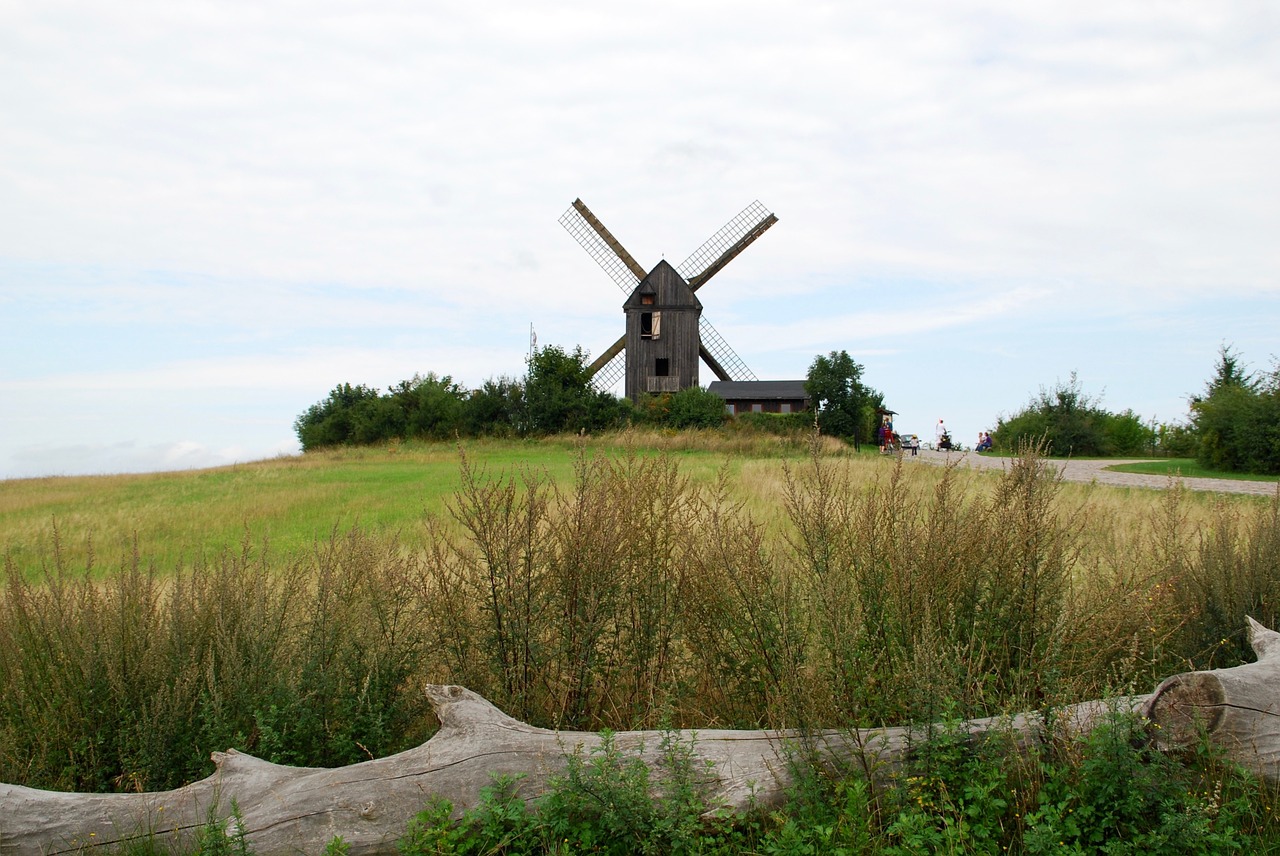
(1187, 468)
(289, 503)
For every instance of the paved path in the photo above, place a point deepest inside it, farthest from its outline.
(1095, 471)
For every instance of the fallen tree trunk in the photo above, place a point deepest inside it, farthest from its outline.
(1238, 709)
(299, 810)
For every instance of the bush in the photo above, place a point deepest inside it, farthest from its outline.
(1109, 792)
(432, 406)
(1069, 422)
(496, 409)
(695, 407)
(130, 683)
(332, 422)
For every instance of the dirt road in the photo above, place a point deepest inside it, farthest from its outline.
(1095, 471)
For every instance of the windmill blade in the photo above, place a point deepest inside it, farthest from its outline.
(612, 351)
(602, 246)
(726, 364)
(610, 374)
(720, 249)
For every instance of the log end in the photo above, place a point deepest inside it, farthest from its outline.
(1184, 708)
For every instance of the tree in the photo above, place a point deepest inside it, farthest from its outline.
(495, 409)
(1237, 420)
(334, 420)
(559, 397)
(432, 406)
(846, 407)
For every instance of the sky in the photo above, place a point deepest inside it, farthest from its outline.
(212, 213)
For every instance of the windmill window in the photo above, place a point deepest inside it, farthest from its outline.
(661, 367)
(646, 300)
(650, 325)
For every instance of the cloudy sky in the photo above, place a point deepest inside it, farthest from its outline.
(211, 213)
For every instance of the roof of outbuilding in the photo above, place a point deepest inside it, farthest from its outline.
(758, 389)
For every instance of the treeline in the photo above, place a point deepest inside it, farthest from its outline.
(1234, 426)
(556, 396)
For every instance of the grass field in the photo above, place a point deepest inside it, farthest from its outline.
(289, 504)
(1186, 468)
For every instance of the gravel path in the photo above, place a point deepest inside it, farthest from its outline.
(1095, 471)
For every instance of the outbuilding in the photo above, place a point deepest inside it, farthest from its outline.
(761, 396)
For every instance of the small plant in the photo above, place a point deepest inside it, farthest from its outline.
(337, 846)
(1114, 791)
(606, 801)
(222, 836)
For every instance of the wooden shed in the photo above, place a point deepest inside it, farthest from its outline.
(761, 396)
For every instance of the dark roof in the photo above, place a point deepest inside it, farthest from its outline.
(758, 389)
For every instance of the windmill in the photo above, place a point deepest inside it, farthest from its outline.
(666, 332)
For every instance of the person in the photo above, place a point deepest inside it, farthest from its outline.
(938, 433)
(984, 442)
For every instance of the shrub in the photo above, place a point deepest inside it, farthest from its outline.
(129, 684)
(1069, 422)
(432, 406)
(496, 409)
(1115, 793)
(332, 422)
(559, 396)
(695, 407)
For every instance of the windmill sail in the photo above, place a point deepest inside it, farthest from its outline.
(609, 375)
(611, 367)
(602, 246)
(723, 360)
(720, 249)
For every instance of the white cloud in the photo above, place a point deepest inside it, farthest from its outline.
(241, 194)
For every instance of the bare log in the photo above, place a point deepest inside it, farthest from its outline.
(285, 810)
(1236, 709)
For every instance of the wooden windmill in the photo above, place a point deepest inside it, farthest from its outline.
(666, 333)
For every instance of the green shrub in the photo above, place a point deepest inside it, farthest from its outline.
(695, 407)
(608, 801)
(1070, 422)
(333, 422)
(1119, 795)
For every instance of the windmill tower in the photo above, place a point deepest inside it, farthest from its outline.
(666, 333)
